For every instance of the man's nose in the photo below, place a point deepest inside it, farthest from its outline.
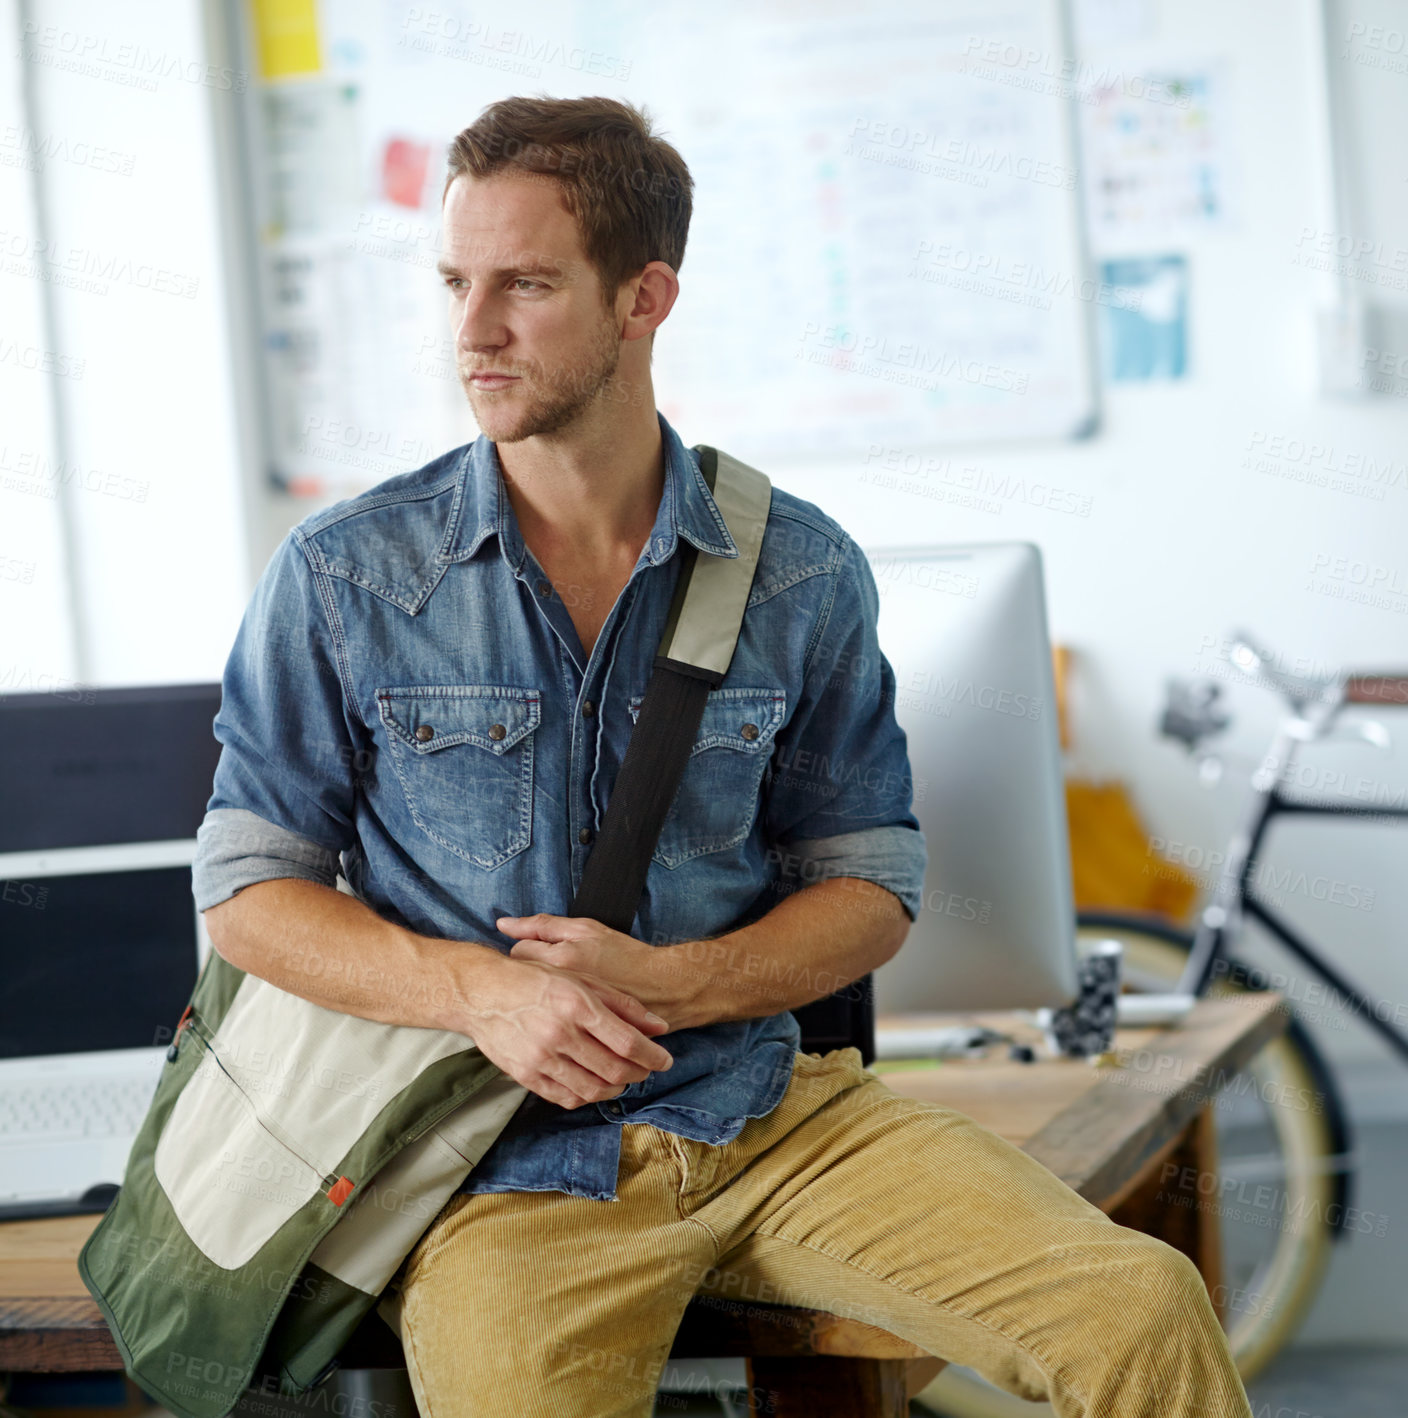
(479, 324)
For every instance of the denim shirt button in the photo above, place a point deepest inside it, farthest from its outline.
(545, 588)
(584, 836)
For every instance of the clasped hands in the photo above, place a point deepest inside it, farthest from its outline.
(584, 1029)
(587, 947)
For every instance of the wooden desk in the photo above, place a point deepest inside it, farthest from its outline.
(1104, 1130)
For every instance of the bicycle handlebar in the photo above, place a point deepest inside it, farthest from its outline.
(1301, 690)
(1377, 689)
(1191, 712)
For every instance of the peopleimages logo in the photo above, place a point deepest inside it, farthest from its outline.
(929, 687)
(450, 35)
(1322, 465)
(996, 273)
(983, 159)
(89, 54)
(1042, 71)
(900, 361)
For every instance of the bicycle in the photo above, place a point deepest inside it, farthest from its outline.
(1281, 1124)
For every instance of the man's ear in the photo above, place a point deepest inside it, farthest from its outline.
(655, 291)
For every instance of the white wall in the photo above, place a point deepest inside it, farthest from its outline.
(136, 452)
(35, 649)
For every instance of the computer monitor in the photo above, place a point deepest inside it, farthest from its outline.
(964, 628)
(85, 767)
(101, 794)
(101, 947)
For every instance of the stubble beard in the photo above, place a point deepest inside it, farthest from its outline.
(546, 408)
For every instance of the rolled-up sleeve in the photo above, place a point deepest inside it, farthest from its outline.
(282, 799)
(840, 792)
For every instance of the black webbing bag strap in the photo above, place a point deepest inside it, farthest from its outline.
(693, 657)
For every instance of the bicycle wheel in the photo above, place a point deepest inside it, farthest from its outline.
(1280, 1189)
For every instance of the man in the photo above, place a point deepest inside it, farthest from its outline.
(433, 689)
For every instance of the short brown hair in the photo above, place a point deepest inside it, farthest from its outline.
(629, 191)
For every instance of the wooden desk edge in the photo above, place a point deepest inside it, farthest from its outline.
(1064, 1144)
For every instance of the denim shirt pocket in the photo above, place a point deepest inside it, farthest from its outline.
(464, 755)
(717, 800)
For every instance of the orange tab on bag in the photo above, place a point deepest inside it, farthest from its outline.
(340, 1190)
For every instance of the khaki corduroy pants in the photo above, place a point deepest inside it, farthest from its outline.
(847, 1197)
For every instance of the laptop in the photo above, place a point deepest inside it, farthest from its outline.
(101, 794)
(101, 948)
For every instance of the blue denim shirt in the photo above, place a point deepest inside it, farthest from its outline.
(390, 631)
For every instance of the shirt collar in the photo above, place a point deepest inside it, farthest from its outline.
(687, 507)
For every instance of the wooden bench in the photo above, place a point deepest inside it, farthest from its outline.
(1106, 1131)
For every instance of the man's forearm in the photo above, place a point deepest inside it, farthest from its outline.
(810, 944)
(333, 949)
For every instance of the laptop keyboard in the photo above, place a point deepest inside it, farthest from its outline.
(76, 1108)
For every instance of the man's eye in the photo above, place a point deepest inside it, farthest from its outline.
(454, 282)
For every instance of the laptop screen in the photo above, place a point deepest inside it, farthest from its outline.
(96, 960)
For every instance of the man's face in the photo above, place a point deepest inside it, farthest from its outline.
(524, 302)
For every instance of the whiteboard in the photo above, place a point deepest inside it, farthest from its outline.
(885, 248)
